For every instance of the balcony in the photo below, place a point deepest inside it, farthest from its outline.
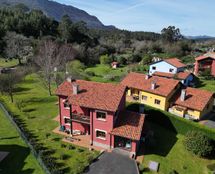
(80, 118)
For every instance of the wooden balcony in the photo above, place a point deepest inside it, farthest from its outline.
(80, 118)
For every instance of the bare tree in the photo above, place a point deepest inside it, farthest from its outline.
(50, 56)
(9, 82)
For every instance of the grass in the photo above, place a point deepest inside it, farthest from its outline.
(104, 73)
(20, 160)
(167, 148)
(37, 112)
(207, 85)
(8, 63)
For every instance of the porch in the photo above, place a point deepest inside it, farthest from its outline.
(78, 140)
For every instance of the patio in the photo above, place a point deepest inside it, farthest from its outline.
(78, 140)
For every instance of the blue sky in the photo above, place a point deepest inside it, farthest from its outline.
(193, 17)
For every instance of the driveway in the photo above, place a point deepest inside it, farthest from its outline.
(113, 163)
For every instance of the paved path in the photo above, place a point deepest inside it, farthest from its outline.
(113, 163)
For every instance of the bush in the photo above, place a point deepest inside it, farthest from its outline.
(198, 143)
(141, 168)
(105, 59)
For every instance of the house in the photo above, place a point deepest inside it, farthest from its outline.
(98, 110)
(192, 103)
(154, 91)
(172, 66)
(186, 78)
(115, 65)
(205, 62)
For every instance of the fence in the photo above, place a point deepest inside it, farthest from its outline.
(33, 151)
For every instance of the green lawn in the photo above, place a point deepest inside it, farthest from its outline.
(20, 160)
(104, 73)
(8, 63)
(167, 148)
(207, 85)
(38, 111)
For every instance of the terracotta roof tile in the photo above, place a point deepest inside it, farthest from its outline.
(164, 86)
(104, 96)
(195, 98)
(205, 56)
(129, 125)
(180, 75)
(175, 62)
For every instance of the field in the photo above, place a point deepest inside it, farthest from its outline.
(104, 73)
(8, 63)
(207, 85)
(38, 111)
(20, 160)
(167, 148)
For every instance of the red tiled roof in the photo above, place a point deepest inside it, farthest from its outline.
(195, 98)
(175, 62)
(164, 86)
(180, 75)
(104, 96)
(163, 74)
(129, 125)
(205, 56)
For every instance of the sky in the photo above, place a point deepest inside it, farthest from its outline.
(192, 17)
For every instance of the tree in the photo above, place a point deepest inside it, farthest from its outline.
(17, 46)
(105, 59)
(9, 81)
(171, 34)
(65, 27)
(198, 143)
(51, 55)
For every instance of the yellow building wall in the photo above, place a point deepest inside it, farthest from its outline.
(194, 113)
(181, 113)
(151, 100)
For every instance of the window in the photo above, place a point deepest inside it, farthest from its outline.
(171, 70)
(154, 67)
(66, 120)
(144, 97)
(66, 104)
(101, 115)
(100, 134)
(157, 102)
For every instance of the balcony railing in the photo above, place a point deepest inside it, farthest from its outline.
(81, 118)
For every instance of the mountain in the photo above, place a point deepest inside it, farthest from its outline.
(204, 37)
(57, 10)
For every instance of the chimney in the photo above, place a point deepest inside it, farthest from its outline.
(153, 85)
(146, 76)
(183, 95)
(69, 79)
(75, 88)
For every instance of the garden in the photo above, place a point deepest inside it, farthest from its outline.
(34, 111)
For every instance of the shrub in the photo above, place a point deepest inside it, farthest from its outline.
(198, 143)
(141, 167)
(105, 59)
(90, 73)
(173, 172)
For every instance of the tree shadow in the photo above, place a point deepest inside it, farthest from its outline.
(21, 89)
(15, 161)
(159, 132)
(8, 138)
(160, 140)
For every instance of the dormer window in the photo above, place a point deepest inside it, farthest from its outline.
(101, 115)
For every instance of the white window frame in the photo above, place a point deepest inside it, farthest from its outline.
(63, 104)
(64, 120)
(156, 103)
(102, 138)
(101, 119)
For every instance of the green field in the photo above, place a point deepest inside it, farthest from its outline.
(20, 159)
(8, 63)
(38, 111)
(104, 73)
(167, 148)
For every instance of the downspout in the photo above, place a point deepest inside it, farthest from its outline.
(71, 132)
(60, 110)
(91, 126)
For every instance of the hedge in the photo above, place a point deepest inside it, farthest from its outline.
(170, 121)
